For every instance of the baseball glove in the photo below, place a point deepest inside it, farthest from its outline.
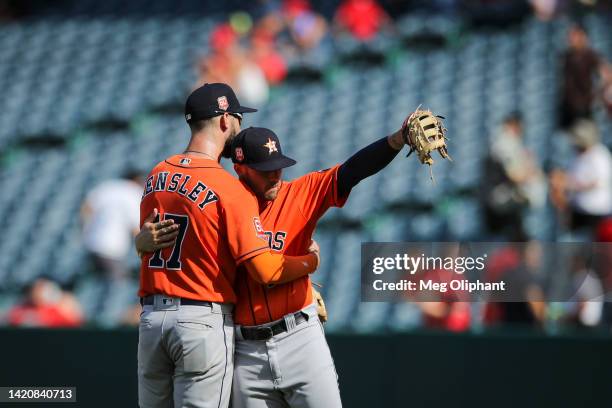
(424, 132)
(321, 311)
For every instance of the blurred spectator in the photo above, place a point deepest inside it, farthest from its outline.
(111, 218)
(309, 46)
(251, 84)
(585, 191)
(46, 305)
(588, 296)
(227, 62)
(271, 18)
(604, 231)
(580, 64)
(449, 310)
(519, 267)
(513, 178)
(604, 266)
(221, 64)
(265, 55)
(546, 10)
(363, 19)
(306, 27)
(451, 313)
(452, 316)
(362, 31)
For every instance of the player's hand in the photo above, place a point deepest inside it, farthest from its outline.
(155, 235)
(314, 249)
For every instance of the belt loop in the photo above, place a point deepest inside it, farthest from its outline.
(215, 308)
(290, 322)
(226, 308)
(238, 332)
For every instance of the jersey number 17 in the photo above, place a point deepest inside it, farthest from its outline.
(174, 261)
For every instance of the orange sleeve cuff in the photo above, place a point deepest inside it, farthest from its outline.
(270, 268)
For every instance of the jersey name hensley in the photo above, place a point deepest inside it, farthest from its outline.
(177, 183)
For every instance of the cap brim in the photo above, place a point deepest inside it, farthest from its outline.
(271, 165)
(243, 109)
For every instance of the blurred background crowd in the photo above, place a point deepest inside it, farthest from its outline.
(92, 99)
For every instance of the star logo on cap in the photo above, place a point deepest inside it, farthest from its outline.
(271, 145)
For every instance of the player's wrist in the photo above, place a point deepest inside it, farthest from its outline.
(396, 140)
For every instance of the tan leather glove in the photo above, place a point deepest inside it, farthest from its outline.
(424, 133)
(321, 311)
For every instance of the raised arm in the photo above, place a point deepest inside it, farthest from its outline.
(368, 161)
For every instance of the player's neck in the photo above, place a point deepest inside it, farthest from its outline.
(200, 154)
(201, 146)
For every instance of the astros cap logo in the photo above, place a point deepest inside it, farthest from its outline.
(271, 145)
(222, 102)
(239, 154)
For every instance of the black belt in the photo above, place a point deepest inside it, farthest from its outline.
(150, 300)
(266, 332)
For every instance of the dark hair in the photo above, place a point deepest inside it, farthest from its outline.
(198, 125)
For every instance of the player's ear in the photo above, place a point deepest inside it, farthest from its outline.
(224, 122)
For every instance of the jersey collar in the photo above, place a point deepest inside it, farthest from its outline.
(187, 161)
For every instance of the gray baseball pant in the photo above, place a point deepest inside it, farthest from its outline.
(292, 369)
(185, 355)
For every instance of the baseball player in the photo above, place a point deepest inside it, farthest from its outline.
(186, 333)
(281, 357)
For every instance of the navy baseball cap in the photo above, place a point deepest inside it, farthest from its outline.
(211, 100)
(260, 149)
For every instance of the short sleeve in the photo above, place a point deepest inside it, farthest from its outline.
(244, 231)
(318, 191)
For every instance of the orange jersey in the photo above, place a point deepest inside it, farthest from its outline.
(288, 222)
(219, 222)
